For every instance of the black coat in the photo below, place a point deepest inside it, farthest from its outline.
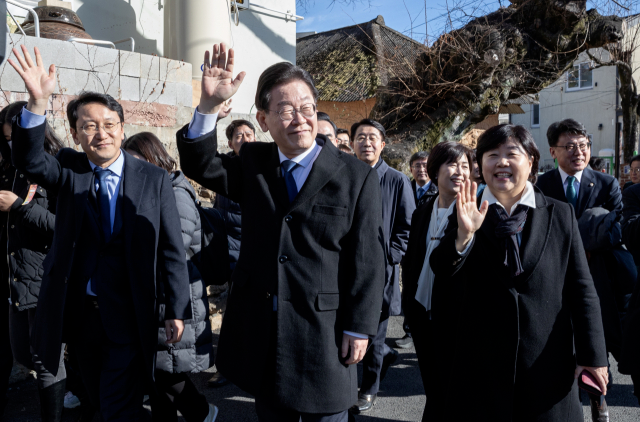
(194, 353)
(232, 215)
(516, 336)
(27, 233)
(397, 208)
(428, 195)
(152, 239)
(323, 256)
(596, 190)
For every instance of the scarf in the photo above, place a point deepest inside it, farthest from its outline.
(507, 228)
(434, 235)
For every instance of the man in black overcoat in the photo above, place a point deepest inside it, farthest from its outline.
(117, 229)
(308, 284)
(584, 188)
(397, 208)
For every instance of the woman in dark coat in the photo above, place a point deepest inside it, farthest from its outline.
(427, 301)
(526, 299)
(27, 220)
(194, 353)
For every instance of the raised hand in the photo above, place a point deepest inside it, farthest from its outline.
(218, 84)
(470, 218)
(40, 83)
(225, 109)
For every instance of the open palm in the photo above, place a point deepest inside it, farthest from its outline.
(218, 84)
(470, 217)
(39, 82)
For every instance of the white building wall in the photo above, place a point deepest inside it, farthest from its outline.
(591, 107)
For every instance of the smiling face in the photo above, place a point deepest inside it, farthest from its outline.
(635, 169)
(368, 144)
(451, 176)
(343, 138)
(506, 170)
(325, 128)
(574, 161)
(419, 171)
(102, 148)
(293, 137)
(241, 134)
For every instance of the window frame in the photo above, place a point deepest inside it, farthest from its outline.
(533, 114)
(579, 88)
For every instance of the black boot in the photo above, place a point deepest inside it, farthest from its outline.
(599, 409)
(52, 401)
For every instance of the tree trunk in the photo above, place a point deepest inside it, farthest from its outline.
(630, 104)
(468, 73)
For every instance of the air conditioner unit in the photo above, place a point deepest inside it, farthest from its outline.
(240, 4)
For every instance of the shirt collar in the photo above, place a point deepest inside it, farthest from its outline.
(425, 187)
(528, 198)
(564, 175)
(303, 159)
(115, 167)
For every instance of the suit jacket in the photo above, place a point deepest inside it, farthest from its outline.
(523, 329)
(323, 256)
(429, 194)
(596, 190)
(151, 236)
(397, 208)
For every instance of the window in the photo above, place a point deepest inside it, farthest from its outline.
(580, 77)
(535, 115)
(503, 118)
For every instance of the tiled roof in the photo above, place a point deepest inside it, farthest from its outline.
(345, 65)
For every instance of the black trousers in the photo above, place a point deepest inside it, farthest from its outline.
(112, 373)
(372, 362)
(269, 413)
(175, 392)
(421, 335)
(6, 355)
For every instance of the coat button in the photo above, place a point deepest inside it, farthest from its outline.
(283, 259)
(13, 254)
(12, 226)
(17, 304)
(46, 247)
(288, 218)
(268, 295)
(21, 176)
(15, 279)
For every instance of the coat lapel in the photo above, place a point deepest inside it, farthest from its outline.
(557, 187)
(586, 189)
(326, 166)
(81, 187)
(134, 181)
(275, 180)
(535, 235)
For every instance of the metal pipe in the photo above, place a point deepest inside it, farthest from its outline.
(297, 18)
(88, 41)
(36, 20)
(133, 42)
(17, 23)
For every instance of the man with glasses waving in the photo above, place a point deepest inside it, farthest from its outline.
(585, 189)
(307, 289)
(117, 238)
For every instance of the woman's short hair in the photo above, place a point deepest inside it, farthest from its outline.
(445, 153)
(498, 135)
(52, 144)
(280, 74)
(237, 123)
(570, 126)
(149, 146)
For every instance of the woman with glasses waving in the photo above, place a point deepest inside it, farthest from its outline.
(529, 316)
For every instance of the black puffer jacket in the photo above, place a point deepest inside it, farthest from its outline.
(233, 221)
(194, 353)
(26, 235)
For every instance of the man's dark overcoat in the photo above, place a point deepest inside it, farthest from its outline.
(153, 239)
(429, 194)
(322, 255)
(516, 335)
(398, 205)
(596, 190)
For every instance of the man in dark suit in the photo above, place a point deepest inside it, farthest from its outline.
(398, 205)
(307, 289)
(117, 234)
(584, 188)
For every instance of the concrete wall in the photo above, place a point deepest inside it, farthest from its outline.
(155, 93)
(592, 107)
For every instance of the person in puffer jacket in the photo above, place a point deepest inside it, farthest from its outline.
(27, 220)
(194, 353)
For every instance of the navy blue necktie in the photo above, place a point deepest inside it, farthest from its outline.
(103, 202)
(421, 192)
(292, 189)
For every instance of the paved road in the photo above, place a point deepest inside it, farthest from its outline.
(401, 398)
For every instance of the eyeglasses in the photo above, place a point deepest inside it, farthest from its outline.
(419, 166)
(287, 113)
(636, 170)
(92, 128)
(571, 148)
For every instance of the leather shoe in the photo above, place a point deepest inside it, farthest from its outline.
(217, 380)
(389, 359)
(364, 404)
(599, 409)
(405, 342)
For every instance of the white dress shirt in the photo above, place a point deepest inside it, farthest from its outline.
(202, 124)
(576, 183)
